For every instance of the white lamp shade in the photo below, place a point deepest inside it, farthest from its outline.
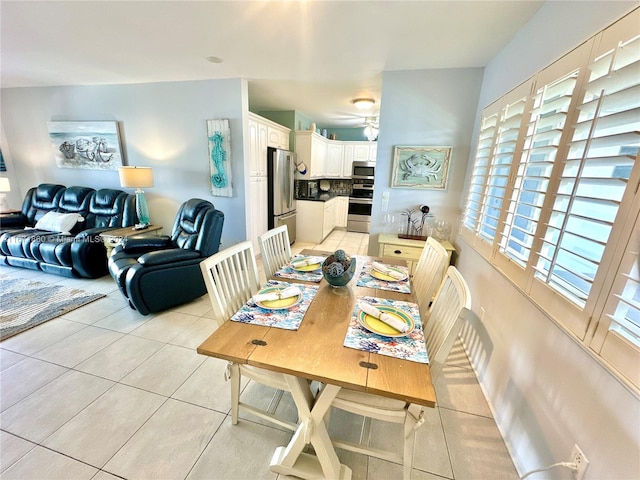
(5, 186)
(136, 177)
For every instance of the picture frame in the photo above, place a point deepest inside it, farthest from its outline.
(219, 143)
(86, 145)
(423, 167)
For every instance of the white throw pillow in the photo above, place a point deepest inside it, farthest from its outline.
(58, 222)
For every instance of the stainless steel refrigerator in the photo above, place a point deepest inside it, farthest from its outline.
(281, 171)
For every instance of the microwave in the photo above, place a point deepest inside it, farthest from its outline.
(363, 170)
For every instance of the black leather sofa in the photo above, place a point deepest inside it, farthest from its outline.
(156, 273)
(78, 252)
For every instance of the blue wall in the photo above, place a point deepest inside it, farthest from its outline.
(163, 125)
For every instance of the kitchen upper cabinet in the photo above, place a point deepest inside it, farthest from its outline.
(334, 159)
(365, 151)
(347, 159)
(331, 158)
(278, 137)
(257, 148)
(373, 151)
(311, 149)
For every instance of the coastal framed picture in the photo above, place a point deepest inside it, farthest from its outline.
(421, 167)
(86, 145)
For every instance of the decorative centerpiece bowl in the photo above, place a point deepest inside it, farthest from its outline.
(338, 268)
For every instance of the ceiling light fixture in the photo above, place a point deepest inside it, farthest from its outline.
(215, 59)
(363, 103)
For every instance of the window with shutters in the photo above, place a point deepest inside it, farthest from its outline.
(554, 190)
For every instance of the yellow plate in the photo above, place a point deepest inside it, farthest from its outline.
(283, 303)
(378, 326)
(388, 278)
(307, 268)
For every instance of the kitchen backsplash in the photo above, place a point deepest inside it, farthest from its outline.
(337, 185)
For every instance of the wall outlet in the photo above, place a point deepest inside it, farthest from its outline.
(581, 462)
(385, 202)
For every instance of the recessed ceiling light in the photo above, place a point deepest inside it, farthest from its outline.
(363, 103)
(215, 59)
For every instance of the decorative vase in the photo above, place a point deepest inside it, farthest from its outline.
(338, 268)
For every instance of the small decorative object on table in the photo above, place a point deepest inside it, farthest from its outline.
(414, 226)
(338, 268)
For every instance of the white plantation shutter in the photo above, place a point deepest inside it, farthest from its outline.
(614, 90)
(555, 193)
(617, 338)
(594, 176)
(477, 187)
(498, 140)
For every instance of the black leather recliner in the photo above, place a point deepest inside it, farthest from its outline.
(156, 273)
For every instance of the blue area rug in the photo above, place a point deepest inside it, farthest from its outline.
(27, 303)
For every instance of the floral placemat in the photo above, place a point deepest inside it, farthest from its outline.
(287, 318)
(366, 280)
(289, 272)
(411, 347)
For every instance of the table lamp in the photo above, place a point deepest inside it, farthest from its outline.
(138, 178)
(5, 186)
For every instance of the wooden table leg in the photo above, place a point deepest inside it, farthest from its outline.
(290, 460)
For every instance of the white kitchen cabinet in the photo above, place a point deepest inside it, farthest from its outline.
(341, 211)
(329, 218)
(315, 220)
(334, 159)
(257, 148)
(311, 149)
(373, 151)
(258, 221)
(347, 159)
(261, 133)
(365, 151)
(331, 158)
(278, 137)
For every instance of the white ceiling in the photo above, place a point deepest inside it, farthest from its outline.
(309, 56)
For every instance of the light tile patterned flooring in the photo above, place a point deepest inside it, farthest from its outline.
(104, 393)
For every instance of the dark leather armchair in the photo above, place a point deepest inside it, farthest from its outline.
(156, 273)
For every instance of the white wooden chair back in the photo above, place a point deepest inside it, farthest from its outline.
(429, 273)
(231, 277)
(275, 249)
(444, 319)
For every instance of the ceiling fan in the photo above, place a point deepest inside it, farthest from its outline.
(371, 128)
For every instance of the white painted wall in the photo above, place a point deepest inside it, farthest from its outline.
(424, 107)
(163, 125)
(546, 391)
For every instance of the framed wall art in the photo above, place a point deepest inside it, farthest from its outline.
(219, 135)
(421, 167)
(87, 145)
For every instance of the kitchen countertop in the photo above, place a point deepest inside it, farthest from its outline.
(323, 197)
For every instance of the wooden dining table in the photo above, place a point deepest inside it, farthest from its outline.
(316, 352)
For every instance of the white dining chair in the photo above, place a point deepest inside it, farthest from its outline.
(429, 273)
(231, 278)
(275, 249)
(441, 327)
